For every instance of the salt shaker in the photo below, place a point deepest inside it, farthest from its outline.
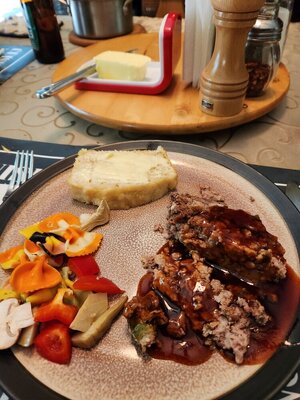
(262, 49)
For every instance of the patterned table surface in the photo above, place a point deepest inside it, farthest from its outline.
(271, 140)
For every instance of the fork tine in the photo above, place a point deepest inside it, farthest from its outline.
(31, 161)
(14, 173)
(24, 167)
(20, 169)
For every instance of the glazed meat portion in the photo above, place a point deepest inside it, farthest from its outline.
(182, 294)
(184, 308)
(231, 238)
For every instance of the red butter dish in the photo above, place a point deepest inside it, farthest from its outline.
(158, 73)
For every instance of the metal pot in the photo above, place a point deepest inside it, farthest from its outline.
(100, 19)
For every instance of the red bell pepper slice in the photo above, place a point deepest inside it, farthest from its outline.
(56, 310)
(83, 265)
(97, 284)
(54, 343)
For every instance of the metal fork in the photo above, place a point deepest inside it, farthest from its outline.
(23, 170)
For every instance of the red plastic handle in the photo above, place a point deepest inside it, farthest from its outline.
(171, 48)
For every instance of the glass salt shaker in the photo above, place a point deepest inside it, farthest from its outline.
(262, 49)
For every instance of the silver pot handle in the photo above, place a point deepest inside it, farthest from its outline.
(125, 6)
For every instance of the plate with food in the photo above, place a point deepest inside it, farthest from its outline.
(150, 269)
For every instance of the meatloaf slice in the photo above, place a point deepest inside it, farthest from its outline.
(223, 315)
(231, 238)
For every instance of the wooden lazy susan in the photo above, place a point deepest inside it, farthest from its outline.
(175, 111)
(84, 42)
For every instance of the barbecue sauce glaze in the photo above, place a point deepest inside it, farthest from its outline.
(191, 350)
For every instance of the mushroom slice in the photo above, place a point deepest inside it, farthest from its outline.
(20, 317)
(13, 317)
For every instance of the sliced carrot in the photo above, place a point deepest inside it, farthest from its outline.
(34, 275)
(52, 222)
(11, 257)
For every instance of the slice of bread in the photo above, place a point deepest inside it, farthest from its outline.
(124, 179)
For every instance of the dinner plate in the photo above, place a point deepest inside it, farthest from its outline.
(113, 369)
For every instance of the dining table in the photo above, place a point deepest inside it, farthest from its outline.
(270, 144)
(271, 140)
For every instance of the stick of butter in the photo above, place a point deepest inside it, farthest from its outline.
(121, 65)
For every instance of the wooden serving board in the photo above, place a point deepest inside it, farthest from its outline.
(176, 111)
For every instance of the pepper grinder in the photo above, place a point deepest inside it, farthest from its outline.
(224, 80)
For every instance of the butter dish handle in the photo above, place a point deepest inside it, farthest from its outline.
(56, 87)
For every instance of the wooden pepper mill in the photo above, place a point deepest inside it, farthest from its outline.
(224, 80)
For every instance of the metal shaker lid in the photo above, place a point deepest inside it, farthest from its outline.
(267, 26)
(264, 29)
